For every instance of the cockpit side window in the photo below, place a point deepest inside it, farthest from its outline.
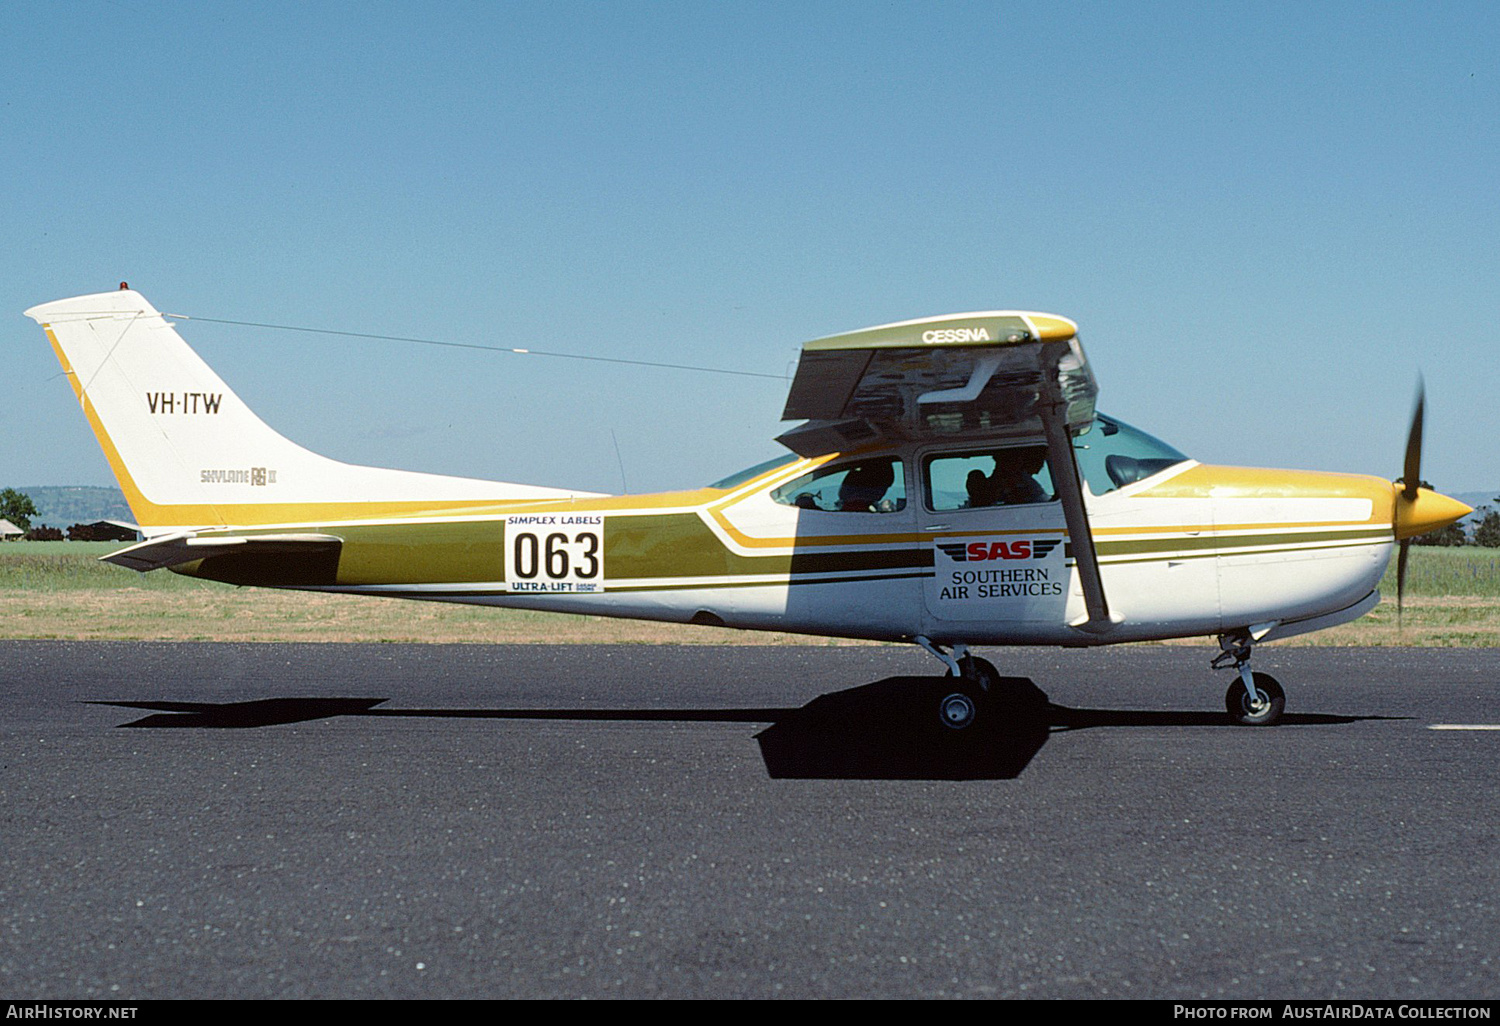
(1016, 475)
(875, 485)
(1111, 454)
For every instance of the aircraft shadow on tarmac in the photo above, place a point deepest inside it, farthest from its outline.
(886, 730)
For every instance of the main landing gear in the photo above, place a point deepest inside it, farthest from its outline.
(1254, 699)
(975, 685)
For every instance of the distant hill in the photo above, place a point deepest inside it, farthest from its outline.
(62, 506)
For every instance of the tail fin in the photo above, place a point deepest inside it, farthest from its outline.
(188, 453)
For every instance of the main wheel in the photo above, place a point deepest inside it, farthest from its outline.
(958, 710)
(1266, 707)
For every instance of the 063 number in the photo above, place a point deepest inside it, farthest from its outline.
(557, 555)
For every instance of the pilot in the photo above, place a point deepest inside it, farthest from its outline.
(1014, 481)
(864, 486)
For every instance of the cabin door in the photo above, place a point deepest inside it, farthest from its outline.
(998, 536)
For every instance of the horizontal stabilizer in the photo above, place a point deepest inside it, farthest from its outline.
(177, 549)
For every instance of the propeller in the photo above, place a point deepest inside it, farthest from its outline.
(1418, 510)
(1411, 479)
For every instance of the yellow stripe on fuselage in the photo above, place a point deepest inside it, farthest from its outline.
(1205, 481)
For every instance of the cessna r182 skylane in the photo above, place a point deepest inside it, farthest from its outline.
(952, 486)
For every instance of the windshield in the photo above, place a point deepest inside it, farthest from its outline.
(1112, 454)
(735, 480)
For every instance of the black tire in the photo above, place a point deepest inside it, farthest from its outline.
(980, 672)
(1236, 701)
(959, 709)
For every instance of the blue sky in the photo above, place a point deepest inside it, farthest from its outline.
(1265, 217)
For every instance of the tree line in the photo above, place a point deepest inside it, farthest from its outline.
(1486, 532)
(18, 508)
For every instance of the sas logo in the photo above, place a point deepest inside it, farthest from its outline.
(957, 335)
(981, 552)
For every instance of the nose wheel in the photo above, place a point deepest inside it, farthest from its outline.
(1258, 710)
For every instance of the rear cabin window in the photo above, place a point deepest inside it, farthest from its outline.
(1013, 476)
(875, 485)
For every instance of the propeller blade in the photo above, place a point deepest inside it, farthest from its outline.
(1411, 474)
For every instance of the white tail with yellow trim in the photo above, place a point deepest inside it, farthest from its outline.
(189, 453)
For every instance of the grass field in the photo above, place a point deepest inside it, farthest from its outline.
(60, 590)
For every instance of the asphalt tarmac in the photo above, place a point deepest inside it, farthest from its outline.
(366, 821)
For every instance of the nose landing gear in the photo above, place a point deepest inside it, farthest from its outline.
(1254, 699)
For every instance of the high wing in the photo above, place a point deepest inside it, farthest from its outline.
(969, 375)
(993, 374)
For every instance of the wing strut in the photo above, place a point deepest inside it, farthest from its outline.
(1065, 478)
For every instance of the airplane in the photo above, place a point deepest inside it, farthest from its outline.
(951, 485)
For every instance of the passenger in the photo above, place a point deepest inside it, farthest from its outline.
(981, 491)
(1014, 481)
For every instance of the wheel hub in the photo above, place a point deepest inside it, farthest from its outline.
(958, 710)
